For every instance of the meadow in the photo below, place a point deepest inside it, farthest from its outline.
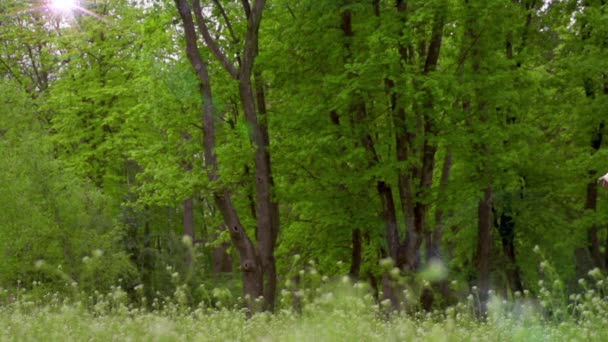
(335, 311)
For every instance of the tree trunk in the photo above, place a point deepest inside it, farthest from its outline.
(252, 271)
(433, 237)
(266, 236)
(506, 228)
(513, 273)
(356, 255)
(593, 240)
(395, 251)
(189, 228)
(484, 245)
(222, 260)
(384, 191)
(189, 218)
(268, 259)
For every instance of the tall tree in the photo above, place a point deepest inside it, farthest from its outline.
(257, 260)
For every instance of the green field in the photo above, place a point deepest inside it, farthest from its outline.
(344, 313)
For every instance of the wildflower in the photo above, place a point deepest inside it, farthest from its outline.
(386, 262)
(595, 273)
(187, 240)
(536, 249)
(386, 303)
(98, 253)
(434, 271)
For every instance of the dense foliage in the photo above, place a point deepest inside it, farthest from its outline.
(196, 147)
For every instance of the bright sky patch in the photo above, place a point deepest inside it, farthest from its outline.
(63, 5)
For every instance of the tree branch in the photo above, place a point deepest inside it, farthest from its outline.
(246, 8)
(11, 72)
(192, 50)
(210, 42)
(235, 39)
(251, 40)
(435, 44)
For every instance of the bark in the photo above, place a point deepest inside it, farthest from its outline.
(506, 228)
(513, 272)
(210, 42)
(268, 259)
(606, 252)
(433, 246)
(415, 204)
(356, 255)
(414, 182)
(505, 223)
(427, 299)
(414, 237)
(267, 211)
(433, 237)
(593, 240)
(189, 226)
(384, 190)
(189, 218)
(484, 244)
(222, 260)
(250, 261)
(263, 181)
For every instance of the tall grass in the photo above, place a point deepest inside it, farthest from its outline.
(329, 310)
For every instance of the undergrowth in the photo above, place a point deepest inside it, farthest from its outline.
(327, 310)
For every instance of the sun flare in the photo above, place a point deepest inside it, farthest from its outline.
(63, 5)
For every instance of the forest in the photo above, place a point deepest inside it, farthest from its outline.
(416, 166)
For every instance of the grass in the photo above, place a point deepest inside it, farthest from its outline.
(342, 313)
(330, 310)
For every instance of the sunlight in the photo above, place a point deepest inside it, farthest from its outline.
(70, 8)
(63, 5)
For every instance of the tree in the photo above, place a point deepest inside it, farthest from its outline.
(257, 261)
